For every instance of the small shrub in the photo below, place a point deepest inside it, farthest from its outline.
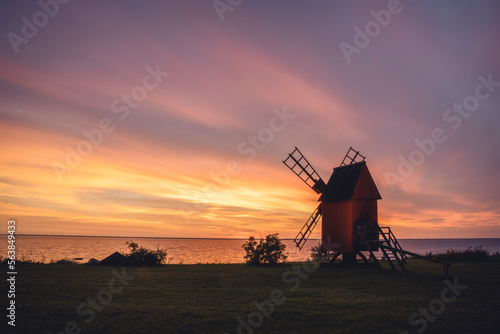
(320, 254)
(62, 261)
(142, 256)
(269, 251)
(476, 253)
(25, 260)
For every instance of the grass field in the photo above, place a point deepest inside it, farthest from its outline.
(210, 299)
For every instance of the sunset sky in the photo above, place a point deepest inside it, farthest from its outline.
(172, 118)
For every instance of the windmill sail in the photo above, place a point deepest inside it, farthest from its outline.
(308, 227)
(352, 157)
(303, 169)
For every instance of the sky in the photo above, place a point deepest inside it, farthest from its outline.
(172, 118)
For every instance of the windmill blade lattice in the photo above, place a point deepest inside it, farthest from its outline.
(298, 164)
(308, 227)
(352, 157)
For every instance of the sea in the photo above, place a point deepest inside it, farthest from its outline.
(194, 251)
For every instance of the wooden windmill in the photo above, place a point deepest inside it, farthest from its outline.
(348, 206)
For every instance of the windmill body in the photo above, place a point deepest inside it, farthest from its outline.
(349, 209)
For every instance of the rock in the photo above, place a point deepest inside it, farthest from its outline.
(115, 258)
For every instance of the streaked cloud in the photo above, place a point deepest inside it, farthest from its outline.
(163, 170)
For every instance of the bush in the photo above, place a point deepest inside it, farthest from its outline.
(476, 253)
(142, 256)
(270, 251)
(22, 260)
(319, 253)
(62, 261)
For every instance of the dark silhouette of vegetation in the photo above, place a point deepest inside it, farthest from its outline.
(62, 261)
(269, 251)
(142, 256)
(23, 260)
(319, 253)
(471, 254)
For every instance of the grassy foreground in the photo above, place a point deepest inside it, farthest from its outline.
(210, 299)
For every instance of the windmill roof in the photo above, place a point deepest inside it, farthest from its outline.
(351, 181)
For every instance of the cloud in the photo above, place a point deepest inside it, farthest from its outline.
(225, 79)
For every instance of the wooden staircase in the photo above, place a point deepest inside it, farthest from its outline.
(391, 249)
(396, 255)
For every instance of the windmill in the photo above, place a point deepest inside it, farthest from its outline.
(348, 208)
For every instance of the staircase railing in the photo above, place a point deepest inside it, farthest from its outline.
(391, 240)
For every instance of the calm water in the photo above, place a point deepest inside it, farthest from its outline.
(192, 251)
